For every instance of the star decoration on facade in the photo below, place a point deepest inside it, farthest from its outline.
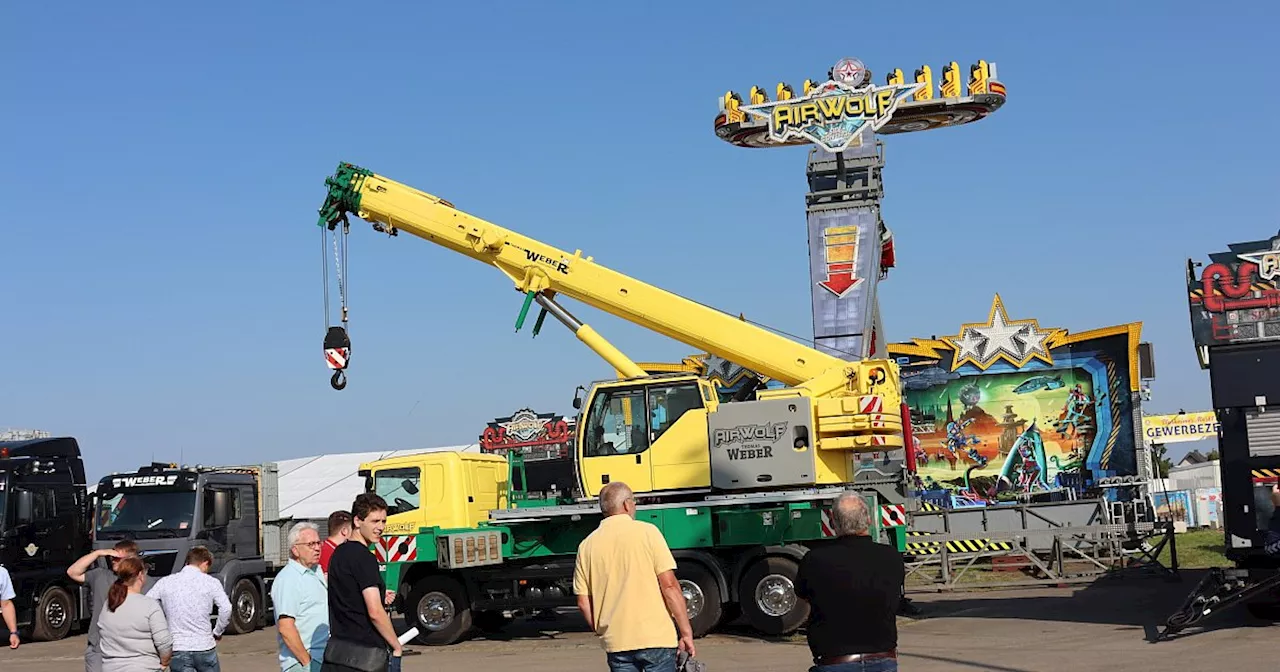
(969, 345)
(1015, 341)
(1268, 261)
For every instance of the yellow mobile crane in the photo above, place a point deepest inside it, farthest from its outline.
(664, 435)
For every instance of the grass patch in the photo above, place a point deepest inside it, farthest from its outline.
(1198, 549)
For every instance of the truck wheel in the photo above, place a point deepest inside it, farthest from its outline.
(439, 608)
(54, 615)
(768, 597)
(701, 597)
(246, 604)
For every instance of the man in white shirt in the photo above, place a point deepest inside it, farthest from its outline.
(188, 598)
(6, 606)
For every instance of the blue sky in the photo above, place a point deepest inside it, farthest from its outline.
(162, 288)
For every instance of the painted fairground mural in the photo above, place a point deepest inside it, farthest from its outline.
(1007, 408)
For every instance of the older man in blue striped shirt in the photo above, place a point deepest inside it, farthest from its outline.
(300, 598)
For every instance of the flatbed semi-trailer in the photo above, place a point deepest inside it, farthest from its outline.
(462, 547)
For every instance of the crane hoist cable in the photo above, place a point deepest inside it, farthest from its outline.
(337, 343)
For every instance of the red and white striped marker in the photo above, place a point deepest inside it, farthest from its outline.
(396, 549)
(892, 515)
(336, 358)
(873, 403)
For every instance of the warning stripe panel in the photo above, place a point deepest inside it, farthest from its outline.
(396, 548)
(1258, 287)
(920, 547)
(893, 515)
(1266, 474)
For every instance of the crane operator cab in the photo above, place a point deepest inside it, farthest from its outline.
(650, 433)
(669, 433)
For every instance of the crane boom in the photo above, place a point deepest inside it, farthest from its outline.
(536, 267)
(667, 436)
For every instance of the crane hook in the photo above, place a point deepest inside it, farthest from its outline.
(337, 353)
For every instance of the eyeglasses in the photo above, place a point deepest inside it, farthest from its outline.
(312, 544)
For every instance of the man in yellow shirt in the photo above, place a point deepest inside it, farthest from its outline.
(626, 585)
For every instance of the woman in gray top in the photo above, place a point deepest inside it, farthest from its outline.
(132, 633)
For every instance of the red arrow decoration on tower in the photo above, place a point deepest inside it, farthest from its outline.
(840, 251)
(839, 279)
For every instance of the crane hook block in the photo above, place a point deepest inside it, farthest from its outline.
(337, 353)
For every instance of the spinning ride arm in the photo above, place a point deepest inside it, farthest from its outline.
(541, 272)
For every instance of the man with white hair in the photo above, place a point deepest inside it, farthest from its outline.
(301, 603)
(853, 586)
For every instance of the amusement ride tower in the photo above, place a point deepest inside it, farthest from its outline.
(850, 248)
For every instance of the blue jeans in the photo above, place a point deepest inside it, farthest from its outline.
(643, 660)
(874, 665)
(195, 661)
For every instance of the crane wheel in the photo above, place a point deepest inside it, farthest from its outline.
(768, 599)
(701, 595)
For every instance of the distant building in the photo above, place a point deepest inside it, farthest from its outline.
(1192, 458)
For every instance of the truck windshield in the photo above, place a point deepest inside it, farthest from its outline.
(145, 511)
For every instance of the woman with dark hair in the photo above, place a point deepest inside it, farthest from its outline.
(133, 634)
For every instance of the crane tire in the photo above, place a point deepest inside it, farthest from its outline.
(766, 594)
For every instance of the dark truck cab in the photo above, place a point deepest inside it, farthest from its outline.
(168, 509)
(1235, 322)
(43, 529)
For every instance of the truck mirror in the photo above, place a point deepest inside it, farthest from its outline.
(221, 509)
(577, 403)
(409, 486)
(25, 506)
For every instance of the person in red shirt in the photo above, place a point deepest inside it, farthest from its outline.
(339, 530)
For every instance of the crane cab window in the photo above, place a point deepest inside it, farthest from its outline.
(617, 423)
(668, 402)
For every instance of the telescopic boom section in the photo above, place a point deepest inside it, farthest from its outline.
(536, 268)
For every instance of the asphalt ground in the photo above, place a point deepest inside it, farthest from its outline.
(1099, 626)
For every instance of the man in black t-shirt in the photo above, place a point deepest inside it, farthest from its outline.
(853, 586)
(357, 617)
